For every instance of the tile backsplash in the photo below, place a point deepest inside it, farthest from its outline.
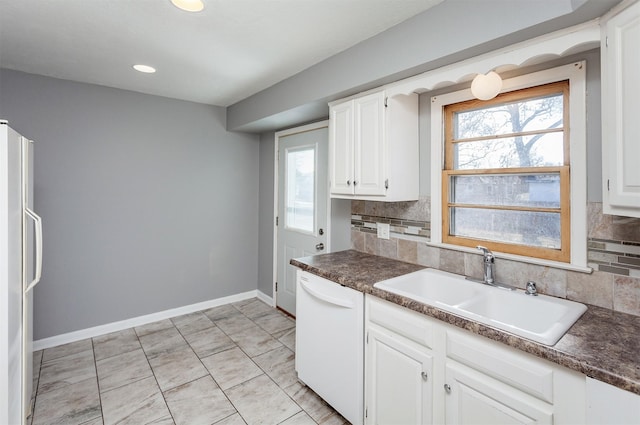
(613, 253)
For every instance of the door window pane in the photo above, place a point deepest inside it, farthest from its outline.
(300, 189)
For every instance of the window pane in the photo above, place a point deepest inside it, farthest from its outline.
(540, 229)
(300, 189)
(527, 190)
(526, 115)
(541, 150)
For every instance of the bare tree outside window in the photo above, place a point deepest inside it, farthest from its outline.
(506, 170)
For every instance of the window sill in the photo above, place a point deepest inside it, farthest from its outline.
(512, 257)
(520, 258)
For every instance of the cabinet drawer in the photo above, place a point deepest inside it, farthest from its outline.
(407, 323)
(527, 374)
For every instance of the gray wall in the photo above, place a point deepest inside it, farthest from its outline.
(340, 224)
(148, 203)
(265, 256)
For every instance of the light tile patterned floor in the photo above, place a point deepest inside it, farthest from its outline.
(228, 365)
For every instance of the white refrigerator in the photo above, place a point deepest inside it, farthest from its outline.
(20, 270)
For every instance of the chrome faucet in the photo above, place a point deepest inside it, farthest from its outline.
(531, 289)
(490, 271)
(489, 265)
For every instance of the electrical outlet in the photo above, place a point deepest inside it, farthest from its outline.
(383, 230)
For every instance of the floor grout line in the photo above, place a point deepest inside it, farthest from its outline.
(276, 371)
(95, 365)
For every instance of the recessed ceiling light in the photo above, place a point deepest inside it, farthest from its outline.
(189, 5)
(144, 68)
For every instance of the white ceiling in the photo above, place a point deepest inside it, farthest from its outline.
(229, 51)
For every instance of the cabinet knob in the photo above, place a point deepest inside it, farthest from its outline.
(355, 182)
(447, 388)
(425, 376)
(348, 182)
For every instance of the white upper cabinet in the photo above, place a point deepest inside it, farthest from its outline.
(373, 148)
(341, 149)
(620, 112)
(369, 145)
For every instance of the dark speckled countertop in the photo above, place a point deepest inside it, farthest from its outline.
(602, 344)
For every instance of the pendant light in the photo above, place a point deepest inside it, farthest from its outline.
(485, 87)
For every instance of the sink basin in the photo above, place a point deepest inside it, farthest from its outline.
(433, 287)
(542, 318)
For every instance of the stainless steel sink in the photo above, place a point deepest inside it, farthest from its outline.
(541, 318)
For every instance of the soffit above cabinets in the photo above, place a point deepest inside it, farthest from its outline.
(541, 49)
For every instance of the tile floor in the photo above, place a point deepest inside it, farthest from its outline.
(232, 364)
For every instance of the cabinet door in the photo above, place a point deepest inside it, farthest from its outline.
(341, 149)
(369, 145)
(476, 399)
(607, 404)
(620, 112)
(398, 381)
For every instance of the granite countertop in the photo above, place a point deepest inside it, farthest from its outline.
(602, 344)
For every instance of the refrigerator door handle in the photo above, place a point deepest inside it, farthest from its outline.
(38, 222)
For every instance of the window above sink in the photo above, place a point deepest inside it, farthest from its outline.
(500, 168)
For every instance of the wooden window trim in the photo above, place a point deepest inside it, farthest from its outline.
(564, 253)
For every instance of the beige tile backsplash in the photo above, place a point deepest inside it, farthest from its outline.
(613, 253)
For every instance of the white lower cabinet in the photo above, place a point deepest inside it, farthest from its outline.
(399, 382)
(419, 370)
(607, 404)
(475, 399)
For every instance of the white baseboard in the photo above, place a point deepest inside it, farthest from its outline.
(143, 320)
(265, 298)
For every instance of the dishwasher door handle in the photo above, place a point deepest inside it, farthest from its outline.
(306, 285)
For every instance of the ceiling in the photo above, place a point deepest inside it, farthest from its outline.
(227, 52)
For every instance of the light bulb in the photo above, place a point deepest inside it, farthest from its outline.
(485, 87)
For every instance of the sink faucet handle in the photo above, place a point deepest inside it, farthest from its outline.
(531, 288)
(488, 255)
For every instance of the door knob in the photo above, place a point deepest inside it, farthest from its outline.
(320, 246)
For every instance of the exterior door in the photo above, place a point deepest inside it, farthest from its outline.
(302, 206)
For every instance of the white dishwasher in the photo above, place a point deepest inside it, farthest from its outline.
(330, 343)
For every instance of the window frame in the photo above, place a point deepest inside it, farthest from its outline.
(576, 232)
(450, 111)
